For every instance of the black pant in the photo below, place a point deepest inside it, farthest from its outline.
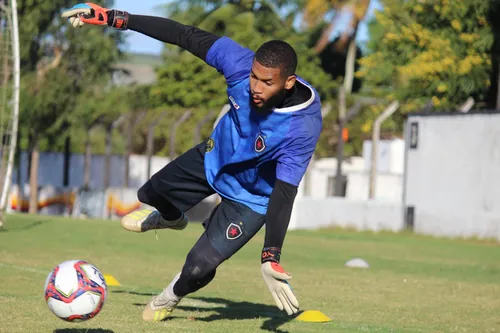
(181, 185)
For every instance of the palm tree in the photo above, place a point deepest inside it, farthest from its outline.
(344, 46)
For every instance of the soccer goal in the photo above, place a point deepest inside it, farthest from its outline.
(9, 97)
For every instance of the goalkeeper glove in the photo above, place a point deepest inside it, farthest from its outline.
(90, 13)
(277, 281)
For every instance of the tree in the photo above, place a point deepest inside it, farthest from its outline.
(190, 83)
(57, 63)
(439, 51)
(40, 110)
(338, 57)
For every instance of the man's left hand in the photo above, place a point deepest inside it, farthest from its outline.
(277, 281)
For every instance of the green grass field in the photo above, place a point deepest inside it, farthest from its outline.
(414, 284)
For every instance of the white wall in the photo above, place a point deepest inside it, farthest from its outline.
(390, 166)
(453, 176)
(317, 210)
(50, 170)
(389, 187)
(390, 157)
(340, 212)
(319, 174)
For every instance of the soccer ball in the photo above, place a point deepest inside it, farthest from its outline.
(75, 291)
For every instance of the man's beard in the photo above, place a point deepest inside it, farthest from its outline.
(273, 102)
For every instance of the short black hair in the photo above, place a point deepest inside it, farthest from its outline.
(278, 53)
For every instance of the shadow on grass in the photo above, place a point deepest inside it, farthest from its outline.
(133, 293)
(32, 225)
(227, 309)
(82, 330)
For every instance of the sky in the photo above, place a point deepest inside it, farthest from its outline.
(139, 43)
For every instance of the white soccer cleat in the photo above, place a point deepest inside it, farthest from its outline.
(162, 305)
(144, 220)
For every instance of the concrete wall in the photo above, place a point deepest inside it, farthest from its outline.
(50, 171)
(453, 174)
(340, 212)
(319, 178)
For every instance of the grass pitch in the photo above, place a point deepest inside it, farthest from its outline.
(414, 284)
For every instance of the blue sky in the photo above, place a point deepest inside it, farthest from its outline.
(139, 43)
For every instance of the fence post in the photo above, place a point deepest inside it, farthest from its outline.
(128, 143)
(225, 109)
(375, 139)
(197, 131)
(150, 139)
(343, 120)
(173, 131)
(109, 136)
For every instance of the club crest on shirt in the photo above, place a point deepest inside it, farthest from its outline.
(260, 144)
(210, 145)
(233, 231)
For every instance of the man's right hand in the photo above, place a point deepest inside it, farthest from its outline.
(90, 13)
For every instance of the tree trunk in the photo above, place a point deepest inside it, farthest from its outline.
(20, 183)
(358, 13)
(67, 158)
(126, 157)
(133, 122)
(349, 66)
(150, 148)
(87, 161)
(339, 177)
(35, 157)
(325, 36)
(107, 157)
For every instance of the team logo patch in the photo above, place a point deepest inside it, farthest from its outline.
(233, 231)
(236, 106)
(210, 145)
(260, 144)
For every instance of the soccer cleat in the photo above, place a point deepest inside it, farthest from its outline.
(144, 220)
(162, 305)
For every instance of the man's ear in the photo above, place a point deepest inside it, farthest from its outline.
(290, 82)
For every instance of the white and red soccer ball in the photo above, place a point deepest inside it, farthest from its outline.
(75, 290)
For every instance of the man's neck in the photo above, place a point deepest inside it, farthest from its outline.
(287, 97)
(299, 94)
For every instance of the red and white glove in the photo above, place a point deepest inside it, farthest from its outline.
(90, 13)
(277, 281)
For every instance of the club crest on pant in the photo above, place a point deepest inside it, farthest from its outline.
(260, 144)
(233, 231)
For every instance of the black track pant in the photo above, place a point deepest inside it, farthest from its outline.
(179, 186)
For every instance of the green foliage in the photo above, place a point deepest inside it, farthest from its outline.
(431, 50)
(41, 109)
(65, 72)
(188, 82)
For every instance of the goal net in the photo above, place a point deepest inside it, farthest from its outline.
(9, 97)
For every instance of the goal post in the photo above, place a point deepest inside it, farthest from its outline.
(10, 68)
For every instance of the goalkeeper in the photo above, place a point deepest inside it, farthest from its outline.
(254, 159)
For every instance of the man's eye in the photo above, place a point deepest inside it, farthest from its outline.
(269, 83)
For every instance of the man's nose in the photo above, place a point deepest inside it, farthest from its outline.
(257, 89)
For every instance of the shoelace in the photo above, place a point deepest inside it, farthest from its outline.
(154, 226)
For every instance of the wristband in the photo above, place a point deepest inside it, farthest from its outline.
(118, 19)
(270, 254)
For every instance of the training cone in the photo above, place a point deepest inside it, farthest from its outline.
(313, 316)
(110, 280)
(357, 263)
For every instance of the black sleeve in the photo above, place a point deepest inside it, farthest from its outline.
(278, 215)
(190, 38)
